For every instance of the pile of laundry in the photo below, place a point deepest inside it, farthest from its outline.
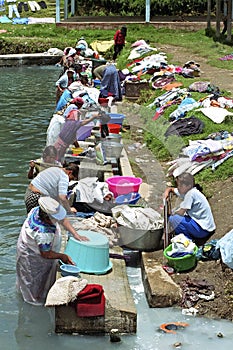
(145, 59)
(200, 154)
(101, 223)
(181, 246)
(87, 299)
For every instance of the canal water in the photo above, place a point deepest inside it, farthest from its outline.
(27, 96)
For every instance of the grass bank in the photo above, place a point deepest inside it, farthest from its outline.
(41, 37)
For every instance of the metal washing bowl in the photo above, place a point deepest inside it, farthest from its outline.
(137, 239)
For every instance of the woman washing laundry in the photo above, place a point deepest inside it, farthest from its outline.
(194, 217)
(48, 159)
(52, 182)
(64, 82)
(67, 135)
(110, 84)
(38, 250)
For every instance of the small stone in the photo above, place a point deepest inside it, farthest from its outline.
(219, 335)
(177, 345)
(114, 336)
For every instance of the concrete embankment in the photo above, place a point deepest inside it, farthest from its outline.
(120, 310)
(38, 59)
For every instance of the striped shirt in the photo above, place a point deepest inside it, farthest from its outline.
(52, 182)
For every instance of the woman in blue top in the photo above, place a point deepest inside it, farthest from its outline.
(194, 217)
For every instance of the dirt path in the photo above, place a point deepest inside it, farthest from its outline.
(219, 77)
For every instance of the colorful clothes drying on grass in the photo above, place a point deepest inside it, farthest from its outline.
(227, 57)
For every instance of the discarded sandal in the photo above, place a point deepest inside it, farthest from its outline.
(172, 327)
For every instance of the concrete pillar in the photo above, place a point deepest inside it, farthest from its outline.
(57, 11)
(147, 11)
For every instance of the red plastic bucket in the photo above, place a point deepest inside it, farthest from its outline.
(114, 128)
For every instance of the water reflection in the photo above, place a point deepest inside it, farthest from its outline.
(27, 98)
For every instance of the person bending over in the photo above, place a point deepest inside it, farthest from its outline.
(38, 250)
(52, 182)
(47, 160)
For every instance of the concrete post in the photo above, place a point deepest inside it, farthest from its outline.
(72, 7)
(208, 14)
(57, 11)
(147, 11)
(65, 9)
(218, 17)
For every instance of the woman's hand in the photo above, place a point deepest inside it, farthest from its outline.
(67, 259)
(67, 225)
(81, 238)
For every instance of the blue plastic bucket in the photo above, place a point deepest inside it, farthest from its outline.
(116, 118)
(90, 256)
(69, 270)
(130, 198)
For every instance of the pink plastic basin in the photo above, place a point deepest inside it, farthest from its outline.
(119, 185)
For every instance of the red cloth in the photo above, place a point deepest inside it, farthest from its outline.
(78, 101)
(91, 301)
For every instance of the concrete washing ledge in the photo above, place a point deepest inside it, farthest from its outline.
(39, 59)
(120, 309)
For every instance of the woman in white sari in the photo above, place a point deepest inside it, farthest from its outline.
(38, 249)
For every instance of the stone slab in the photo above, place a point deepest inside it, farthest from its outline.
(120, 310)
(160, 289)
(89, 168)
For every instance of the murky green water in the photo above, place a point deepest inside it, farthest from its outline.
(27, 98)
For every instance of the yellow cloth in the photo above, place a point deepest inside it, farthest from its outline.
(101, 46)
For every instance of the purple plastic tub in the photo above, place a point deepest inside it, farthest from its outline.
(84, 131)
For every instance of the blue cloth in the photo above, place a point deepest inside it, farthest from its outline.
(187, 226)
(69, 109)
(37, 225)
(20, 21)
(64, 99)
(40, 228)
(84, 215)
(179, 255)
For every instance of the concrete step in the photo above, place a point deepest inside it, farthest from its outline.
(120, 310)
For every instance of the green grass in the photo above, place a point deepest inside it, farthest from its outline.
(48, 35)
